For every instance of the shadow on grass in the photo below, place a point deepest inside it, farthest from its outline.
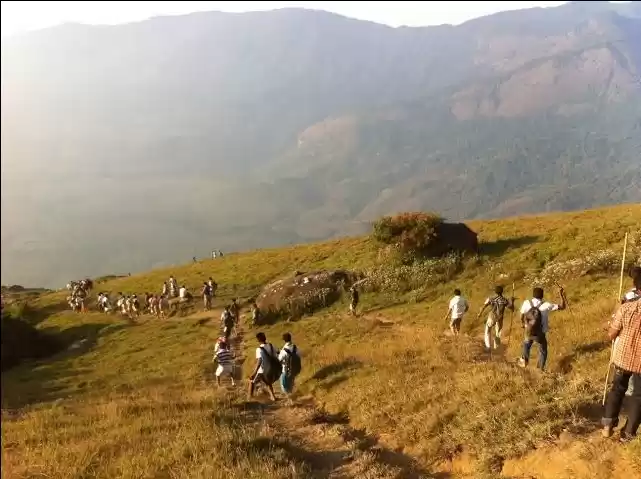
(499, 247)
(335, 368)
(44, 380)
(565, 363)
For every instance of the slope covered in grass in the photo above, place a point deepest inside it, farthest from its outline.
(137, 400)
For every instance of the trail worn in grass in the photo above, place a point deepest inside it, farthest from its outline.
(387, 394)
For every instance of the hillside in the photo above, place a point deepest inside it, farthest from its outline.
(386, 395)
(123, 145)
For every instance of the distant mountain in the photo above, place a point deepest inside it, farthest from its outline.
(133, 146)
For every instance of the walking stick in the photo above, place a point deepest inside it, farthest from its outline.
(509, 332)
(607, 376)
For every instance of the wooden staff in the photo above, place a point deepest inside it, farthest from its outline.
(509, 331)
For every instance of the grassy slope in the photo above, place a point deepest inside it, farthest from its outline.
(137, 400)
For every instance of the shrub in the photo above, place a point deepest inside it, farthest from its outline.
(22, 341)
(412, 235)
(405, 278)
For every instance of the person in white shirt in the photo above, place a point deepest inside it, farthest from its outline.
(457, 308)
(537, 332)
(182, 294)
(285, 357)
(259, 374)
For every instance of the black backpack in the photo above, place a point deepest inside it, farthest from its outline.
(292, 363)
(272, 368)
(228, 320)
(533, 322)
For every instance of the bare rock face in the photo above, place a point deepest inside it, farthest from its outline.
(293, 296)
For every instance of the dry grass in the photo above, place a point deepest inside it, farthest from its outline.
(138, 400)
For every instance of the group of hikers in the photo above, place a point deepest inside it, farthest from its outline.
(79, 291)
(285, 364)
(624, 330)
(534, 314)
(271, 365)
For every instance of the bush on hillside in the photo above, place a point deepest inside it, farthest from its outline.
(411, 235)
(605, 261)
(410, 277)
(20, 341)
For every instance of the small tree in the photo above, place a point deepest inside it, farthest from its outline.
(413, 235)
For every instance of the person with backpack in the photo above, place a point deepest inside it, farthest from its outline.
(227, 320)
(235, 310)
(206, 293)
(212, 286)
(625, 331)
(289, 357)
(458, 306)
(535, 320)
(497, 304)
(268, 368)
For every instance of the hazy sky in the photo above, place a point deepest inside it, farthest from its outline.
(19, 16)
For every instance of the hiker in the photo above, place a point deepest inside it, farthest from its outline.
(120, 303)
(256, 314)
(173, 287)
(289, 357)
(268, 368)
(225, 359)
(497, 304)
(457, 308)
(213, 286)
(153, 305)
(235, 310)
(625, 331)
(206, 293)
(135, 306)
(163, 306)
(635, 293)
(104, 303)
(354, 300)
(219, 341)
(535, 321)
(227, 320)
(184, 296)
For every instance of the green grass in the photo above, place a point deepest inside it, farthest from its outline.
(137, 400)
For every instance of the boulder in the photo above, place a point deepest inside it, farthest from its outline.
(303, 293)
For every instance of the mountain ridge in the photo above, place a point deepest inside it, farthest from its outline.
(313, 124)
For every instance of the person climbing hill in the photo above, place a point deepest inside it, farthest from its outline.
(268, 368)
(227, 322)
(625, 331)
(458, 306)
(225, 359)
(289, 357)
(497, 304)
(535, 321)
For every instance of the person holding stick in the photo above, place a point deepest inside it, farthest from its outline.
(497, 304)
(625, 331)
